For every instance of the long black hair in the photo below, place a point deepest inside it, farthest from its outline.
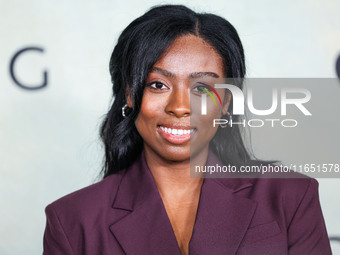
(138, 48)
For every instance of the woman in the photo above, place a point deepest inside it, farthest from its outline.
(147, 203)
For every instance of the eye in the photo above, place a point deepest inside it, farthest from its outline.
(157, 85)
(201, 88)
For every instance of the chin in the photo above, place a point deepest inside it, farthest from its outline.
(176, 154)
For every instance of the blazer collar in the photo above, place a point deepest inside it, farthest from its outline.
(221, 222)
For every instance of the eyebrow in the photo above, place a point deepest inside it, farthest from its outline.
(192, 75)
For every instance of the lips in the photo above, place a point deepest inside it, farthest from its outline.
(176, 134)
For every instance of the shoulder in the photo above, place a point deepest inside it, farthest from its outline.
(282, 181)
(87, 200)
(291, 182)
(295, 203)
(287, 196)
(77, 223)
(290, 187)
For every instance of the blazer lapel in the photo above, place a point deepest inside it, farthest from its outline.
(143, 227)
(222, 220)
(223, 216)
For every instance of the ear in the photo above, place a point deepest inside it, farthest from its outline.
(128, 98)
(226, 103)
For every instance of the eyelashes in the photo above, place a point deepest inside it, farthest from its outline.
(157, 85)
(198, 88)
(202, 88)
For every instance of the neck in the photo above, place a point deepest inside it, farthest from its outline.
(173, 178)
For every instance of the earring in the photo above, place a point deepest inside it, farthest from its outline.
(124, 109)
(230, 119)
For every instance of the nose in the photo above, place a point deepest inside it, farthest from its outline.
(179, 102)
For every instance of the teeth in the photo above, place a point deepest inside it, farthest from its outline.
(175, 131)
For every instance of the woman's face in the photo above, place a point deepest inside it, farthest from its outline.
(170, 126)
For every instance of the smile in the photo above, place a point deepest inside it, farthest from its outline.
(175, 131)
(176, 135)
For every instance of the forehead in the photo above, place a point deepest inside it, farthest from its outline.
(191, 54)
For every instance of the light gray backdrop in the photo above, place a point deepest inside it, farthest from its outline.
(49, 143)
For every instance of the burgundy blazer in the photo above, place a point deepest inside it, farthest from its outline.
(124, 214)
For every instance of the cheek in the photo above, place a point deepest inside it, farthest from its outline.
(148, 115)
(214, 110)
(207, 121)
